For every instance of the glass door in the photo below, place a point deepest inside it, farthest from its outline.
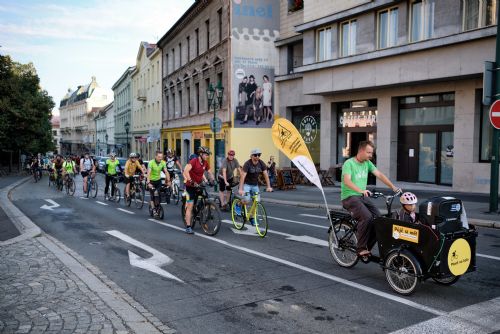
(427, 157)
(446, 166)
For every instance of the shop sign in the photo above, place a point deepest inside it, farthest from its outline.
(207, 135)
(197, 134)
(308, 129)
(358, 119)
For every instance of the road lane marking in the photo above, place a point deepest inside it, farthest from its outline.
(314, 272)
(50, 207)
(83, 197)
(129, 212)
(101, 203)
(298, 222)
(313, 216)
(488, 256)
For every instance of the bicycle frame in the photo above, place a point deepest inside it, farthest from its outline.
(249, 213)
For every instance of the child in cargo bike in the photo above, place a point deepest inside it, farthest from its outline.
(408, 213)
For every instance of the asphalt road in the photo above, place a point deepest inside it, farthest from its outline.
(240, 283)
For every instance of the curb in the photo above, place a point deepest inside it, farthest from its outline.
(472, 221)
(24, 225)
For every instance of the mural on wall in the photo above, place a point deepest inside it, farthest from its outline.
(255, 27)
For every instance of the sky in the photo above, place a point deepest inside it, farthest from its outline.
(71, 41)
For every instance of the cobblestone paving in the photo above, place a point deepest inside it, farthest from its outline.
(38, 294)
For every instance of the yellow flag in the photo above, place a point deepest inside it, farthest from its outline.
(288, 140)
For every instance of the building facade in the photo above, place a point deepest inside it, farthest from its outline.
(122, 90)
(56, 132)
(77, 111)
(109, 136)
(218, 43)
(404, 74)
(101, 123)
(146, 104)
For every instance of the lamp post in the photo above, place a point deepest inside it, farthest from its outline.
(97, 150)
(214, 98)
(106, 137)
(127, 128)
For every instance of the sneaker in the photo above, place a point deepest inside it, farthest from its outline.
(189, 230)
(106, 197)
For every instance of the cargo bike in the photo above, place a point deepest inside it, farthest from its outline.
(442, 246)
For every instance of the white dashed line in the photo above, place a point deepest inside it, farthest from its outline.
(488, 256)
(100, 203)
(313, 216)
(297, 222)
(129, 212)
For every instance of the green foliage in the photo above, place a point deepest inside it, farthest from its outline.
(25, 109)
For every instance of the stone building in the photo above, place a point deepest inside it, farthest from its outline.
(122, 106)
(404, 74)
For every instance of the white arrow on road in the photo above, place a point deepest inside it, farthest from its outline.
(153, 263)
(300, 238)
(50, 207)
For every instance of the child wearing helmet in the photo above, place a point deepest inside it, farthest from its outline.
(408, 213)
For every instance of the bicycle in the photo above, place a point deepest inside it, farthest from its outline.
(37, 173)
(51, 178)
(69, 183)
(136, 193)
(240, 214)
(231, 197)
(115, 191)
(205, 211)
(176, 192)
(156, 211)
(91, 185)
(59, 181)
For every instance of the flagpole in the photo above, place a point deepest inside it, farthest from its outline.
(328, 215)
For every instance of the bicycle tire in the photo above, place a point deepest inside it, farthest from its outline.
(238, 218)
(50, 181)
(94, 188)
(139, 199)
(260, 218)
(344, 254)
(210, 220)
(401, 271)
(72, 187)
(447, 280)
(177, 194)
(160, 212)
(117, 195)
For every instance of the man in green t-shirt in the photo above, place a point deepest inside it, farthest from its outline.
(110, 170)
(355, 197)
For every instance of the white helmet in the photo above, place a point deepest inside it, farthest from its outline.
(408, 198)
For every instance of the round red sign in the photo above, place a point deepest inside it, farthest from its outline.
(495, 114)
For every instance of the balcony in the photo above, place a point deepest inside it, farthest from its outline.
(141, 94)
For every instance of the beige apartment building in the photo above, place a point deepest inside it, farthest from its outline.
(77, 111)
(146, 102)
(404, 74)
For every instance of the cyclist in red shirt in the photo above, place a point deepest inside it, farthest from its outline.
(194, 174)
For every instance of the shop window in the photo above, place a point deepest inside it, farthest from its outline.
(295, 5)
(478, 13)
(422, 20)
(436, 109)
(486, 135)
(307, 120)
(387, 28)
(324, 44)
(348, 38)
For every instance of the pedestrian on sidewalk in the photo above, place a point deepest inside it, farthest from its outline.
(226, 178)
(271, 166)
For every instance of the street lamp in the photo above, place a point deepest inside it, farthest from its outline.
(214, 98)
(97, 150)
(127, 128)
(106, 137)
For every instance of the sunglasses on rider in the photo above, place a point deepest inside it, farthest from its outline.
(256, 155)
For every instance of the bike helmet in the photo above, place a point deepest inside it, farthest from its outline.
(203, 149)
(132, 155)
(169, 151)
(408, 198)
(112, 155)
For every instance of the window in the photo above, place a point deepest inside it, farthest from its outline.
(188, 49)
(324, 42)
(207, 28)
(173, 60)
(180, 102)
(158, 73)
(167, 114)
(348, 38)
(387, 28)
(219, 18)
(478, 13)
(188, 92)
(207, 84)
(197, 92)
(422, 20)
(486, 135)
(166, 63)
(197, 45)
(180, 54)
(295, 5)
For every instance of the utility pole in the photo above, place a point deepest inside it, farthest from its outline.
(496, 132)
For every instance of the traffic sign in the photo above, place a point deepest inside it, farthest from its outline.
(495, 114)
(216, 125)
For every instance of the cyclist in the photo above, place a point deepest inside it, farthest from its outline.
(131, 167)
(110, 171)
(172, 160)
(57, 166)
(87, 166)
(355, 197)
(194, 173)
(36, 165)
(225, 178)
(69, 168)
(155, 167)
(249, 179)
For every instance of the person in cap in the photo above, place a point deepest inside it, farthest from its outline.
(226, 177)
(408, 209)
(249, 179)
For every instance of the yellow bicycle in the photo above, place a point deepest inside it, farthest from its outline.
(256, 215)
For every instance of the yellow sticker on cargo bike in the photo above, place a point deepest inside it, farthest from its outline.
(405, 233)
(459, 257)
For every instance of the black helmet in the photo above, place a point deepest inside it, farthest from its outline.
(203, 149)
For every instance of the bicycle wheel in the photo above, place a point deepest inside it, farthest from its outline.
(237, 214)
(50, 180)
(446, 280)
(94, 188)
(71, 187)
(402, 271)
(210, 218)
(160, 212)
(128, 199)
(117, 195)
(176, 194)
(343, 249)
(260, 220)
(138, 199)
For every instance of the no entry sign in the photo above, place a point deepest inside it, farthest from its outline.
(495, 114)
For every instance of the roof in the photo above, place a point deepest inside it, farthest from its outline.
(81, 93)
(125, 74)
(178, 23)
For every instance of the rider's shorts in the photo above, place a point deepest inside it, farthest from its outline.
(190, 194)
(250, 190)
(84, 173)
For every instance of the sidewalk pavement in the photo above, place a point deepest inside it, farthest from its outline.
(47, 288)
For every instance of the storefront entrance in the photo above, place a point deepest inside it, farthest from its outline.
(425, 139)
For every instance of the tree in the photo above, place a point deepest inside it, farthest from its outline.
(25, 109)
